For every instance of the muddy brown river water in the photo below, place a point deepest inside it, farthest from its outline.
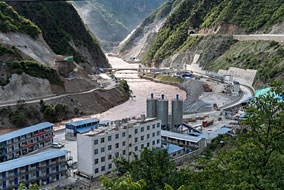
(134, 107)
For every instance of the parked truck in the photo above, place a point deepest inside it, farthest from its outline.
(207, 123)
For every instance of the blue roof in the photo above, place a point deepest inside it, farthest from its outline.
(24, 131)
(213, 134)
(84, 129)
(172, 148)
(21, 162)
(180, 136)
(83, 122)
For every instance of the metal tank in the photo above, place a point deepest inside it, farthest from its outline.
(151, 107)
(163, 111)
(177, 112)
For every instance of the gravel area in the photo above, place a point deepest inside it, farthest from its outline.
(199, 101)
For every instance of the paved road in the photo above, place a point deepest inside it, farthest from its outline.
(268, 37)
(49, 98)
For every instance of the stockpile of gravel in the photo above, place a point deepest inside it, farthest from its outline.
(194, 90)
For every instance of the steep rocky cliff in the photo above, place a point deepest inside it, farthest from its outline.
(112, 20)
(141, 39)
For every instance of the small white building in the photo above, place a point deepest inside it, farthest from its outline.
(174, 151)
(97, 148)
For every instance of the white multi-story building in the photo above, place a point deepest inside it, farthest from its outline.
(97, 148)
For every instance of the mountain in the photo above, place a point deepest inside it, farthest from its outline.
(216, 20)
(140, 40)
(63, 30)
(112, 20)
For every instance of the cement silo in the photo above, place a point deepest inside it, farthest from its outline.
(151, 107)
(177, 112)
(163, 111)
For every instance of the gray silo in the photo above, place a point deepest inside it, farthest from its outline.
(163, 111)
(177, 112)
(151, 107)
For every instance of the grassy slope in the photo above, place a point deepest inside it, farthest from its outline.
(60, 24)
(251, 15)
(11, 21)
(265, 56)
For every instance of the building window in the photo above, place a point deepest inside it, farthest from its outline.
(130, 145)
(158, 141)
(148, 136)
(109, 147)
(153, 143)
(117, 145)
(96, 151)
(148, 144)
(109, 157)
(109, 138)
(153, 126)
(96, 161)
(116, 136)
(124, 152)
(142, 129)
(109, 166)
(97, 170)
(148, 127)
(142, 138)
(103, 168)
(136, 139)
(158, 133)
(103, 159)
(136, 131)
(123, 134)
(136, 148)
(103, 149)
(96, 142)
(129, 136)
(117, 154)
(102, 140)
(123, 143)
(158, 125)
(142, 146)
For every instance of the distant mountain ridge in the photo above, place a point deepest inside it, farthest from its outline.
(112, 20)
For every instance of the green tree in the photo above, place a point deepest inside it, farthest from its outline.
(155, 167)
(123, 183)
(257, 162)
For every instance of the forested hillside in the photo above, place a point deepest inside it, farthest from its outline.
(246, 16)
(63, 30)
(112, 20)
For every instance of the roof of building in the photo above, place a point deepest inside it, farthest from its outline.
(172, 148)
(24, 131)
(180, 136)
(21, 162)
(83, 122)
(84, 129)
(210, 135)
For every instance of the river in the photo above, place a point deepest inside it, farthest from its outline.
(134, 107)
(141, 90)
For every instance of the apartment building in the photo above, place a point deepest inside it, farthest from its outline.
(26, 140)
(97, 148)
(41, 169)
